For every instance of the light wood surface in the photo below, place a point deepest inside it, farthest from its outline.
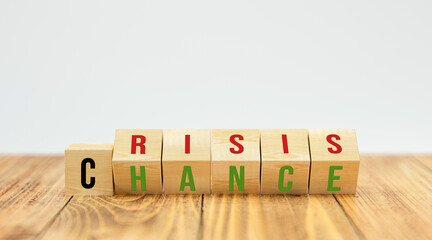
(191, 167)
(291, 164)
(425, 160)
(393, 198)
(128, 159)
(274, 217)
(128, 217)
(393, 201)
(32, 193)
(335, 161)
(96, 161)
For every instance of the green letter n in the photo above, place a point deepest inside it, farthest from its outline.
(187, 173)
(135, 178)
(239, 179)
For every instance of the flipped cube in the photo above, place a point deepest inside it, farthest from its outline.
(235, 161)
(335, 161)
(285, 161)
(137, 161)
(186, 161)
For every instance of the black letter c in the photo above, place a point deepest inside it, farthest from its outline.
(83, 173)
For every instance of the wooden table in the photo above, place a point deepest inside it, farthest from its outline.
(393, 201)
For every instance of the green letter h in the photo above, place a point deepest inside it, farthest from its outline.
(135, 178)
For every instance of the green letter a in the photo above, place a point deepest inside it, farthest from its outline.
(187, 173)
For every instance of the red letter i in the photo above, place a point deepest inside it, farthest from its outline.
(285, 143)
(187, 144)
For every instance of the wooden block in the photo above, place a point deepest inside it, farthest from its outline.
(186, 161)
(235, 161)
(285, 161)
(88, 169)
(137, 161)
(335, 161)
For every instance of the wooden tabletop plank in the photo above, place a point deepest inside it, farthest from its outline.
(425, 160)
(393, 198)
(128, 217)
(31, 194)
(393, 201)
(274, 217)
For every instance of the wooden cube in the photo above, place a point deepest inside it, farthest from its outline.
(186, 161)
(285, 161)
(335, 161)
(137, 161)
(88, 169)
(235, 161)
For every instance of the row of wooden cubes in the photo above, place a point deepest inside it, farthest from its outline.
(203, 161)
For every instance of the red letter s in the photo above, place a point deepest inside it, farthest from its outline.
(233, 141)
(330, 140)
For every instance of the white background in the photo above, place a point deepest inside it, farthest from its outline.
(74, 71)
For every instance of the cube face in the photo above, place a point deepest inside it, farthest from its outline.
(235, 161)
(323, 145)
(285, 161)
(234, 177)
(334, 177)
(274, 142)
(137, 161)
(187, 177)
(128, 142)
(128, 177)
(285, 178)
(187, 161)
(92, 160)
(335, 161)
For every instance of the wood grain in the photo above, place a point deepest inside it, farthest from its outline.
(274, 217)
(393, 199)
(426, 160)
(128, 217)
(31, 194)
